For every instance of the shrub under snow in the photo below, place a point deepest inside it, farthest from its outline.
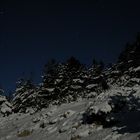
(105, 107)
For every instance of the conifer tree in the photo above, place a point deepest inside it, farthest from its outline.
(50, 73)
(24, 96)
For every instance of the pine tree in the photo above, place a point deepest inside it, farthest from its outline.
(74, 67)
(5, 106)
(66, 81)
(130, 57)
(24, 96)
(50, 73)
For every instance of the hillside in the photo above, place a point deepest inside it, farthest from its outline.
(77, 103)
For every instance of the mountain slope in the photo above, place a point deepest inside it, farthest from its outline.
(76, 103)
(67, 120)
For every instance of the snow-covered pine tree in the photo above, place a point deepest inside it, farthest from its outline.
(25, 96)
(130, 57)
(47, 89)
(75, 78)
(96, 81)
(126, 72)
(5, 106)
(63, 82)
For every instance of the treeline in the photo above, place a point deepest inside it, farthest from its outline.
(71, 80)
(61, 83)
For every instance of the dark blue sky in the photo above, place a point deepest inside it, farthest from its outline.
(32, 32)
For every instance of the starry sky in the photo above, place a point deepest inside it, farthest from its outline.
(32, 32)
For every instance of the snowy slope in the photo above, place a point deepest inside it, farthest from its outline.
(65, 122)
(77, 104)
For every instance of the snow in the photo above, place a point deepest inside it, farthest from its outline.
(58, 81)
(84, 134)
(78, 81)
(5, 106)
(114, 115)
(137, 69)
(68, 113)
(2, 99)
(115, 72)
(5, 109)
(50, 89)
(67, 128)
(104, 107)
(75, 87)
(91, 86)
(53, 121)
(64, 122)
(91, 95)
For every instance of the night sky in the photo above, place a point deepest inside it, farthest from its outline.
(32, 32)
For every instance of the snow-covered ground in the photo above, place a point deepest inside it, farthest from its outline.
(66, 122)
